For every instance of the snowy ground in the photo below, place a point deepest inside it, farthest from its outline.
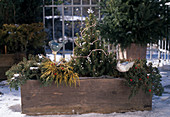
(10, 102)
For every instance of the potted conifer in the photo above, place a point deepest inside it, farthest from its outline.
(132, 24)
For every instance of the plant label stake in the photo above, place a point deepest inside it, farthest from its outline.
(5, 49)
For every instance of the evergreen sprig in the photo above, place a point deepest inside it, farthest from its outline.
(145, 77)
(42, 69)
(18, 74)
(58, 72)
(132, 21)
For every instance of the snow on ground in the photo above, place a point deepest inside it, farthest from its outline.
(10, 102)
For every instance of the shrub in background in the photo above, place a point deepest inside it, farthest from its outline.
(20, 11)
(132, 21)
(24, 38)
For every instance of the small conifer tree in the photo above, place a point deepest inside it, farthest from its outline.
(90, 55)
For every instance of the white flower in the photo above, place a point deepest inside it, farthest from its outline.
(32, 68)
(90, 11)
(16, 75)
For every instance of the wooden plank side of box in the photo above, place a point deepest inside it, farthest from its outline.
(6, 62)
(2, 72)
(93, 95)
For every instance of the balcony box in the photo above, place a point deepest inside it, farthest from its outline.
(93, 95)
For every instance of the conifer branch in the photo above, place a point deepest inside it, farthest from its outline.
(90, 53)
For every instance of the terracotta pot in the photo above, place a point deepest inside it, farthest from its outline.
(135, 51)
(92, 96)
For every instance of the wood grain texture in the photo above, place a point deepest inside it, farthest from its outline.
(93, 95)
(7, 60)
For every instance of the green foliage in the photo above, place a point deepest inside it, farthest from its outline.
(132, 21)
(42, 69)
(20, 11)
(90, 54)
(59, 72)
(27, 38)
(58, 2)
(145, 77)
(23, 72)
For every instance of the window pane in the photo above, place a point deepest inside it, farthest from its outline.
(96, 11)
(95, 1)
(48, 2)
(85, 13)
(76, 2)
(58, 29)
(67, 2)
(68, 28)
(77, 11)
(48, 11)
(57, 11)
(58, 2)
(67, 11)
(77, 26)
(68, 35)
(86, 2)
(49, 29)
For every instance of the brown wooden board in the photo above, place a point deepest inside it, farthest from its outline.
(7, 60)
(92, 96)
(2, 72)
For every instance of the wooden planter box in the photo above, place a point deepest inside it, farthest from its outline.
(92, 96)
(135, 51)
(7, 60)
